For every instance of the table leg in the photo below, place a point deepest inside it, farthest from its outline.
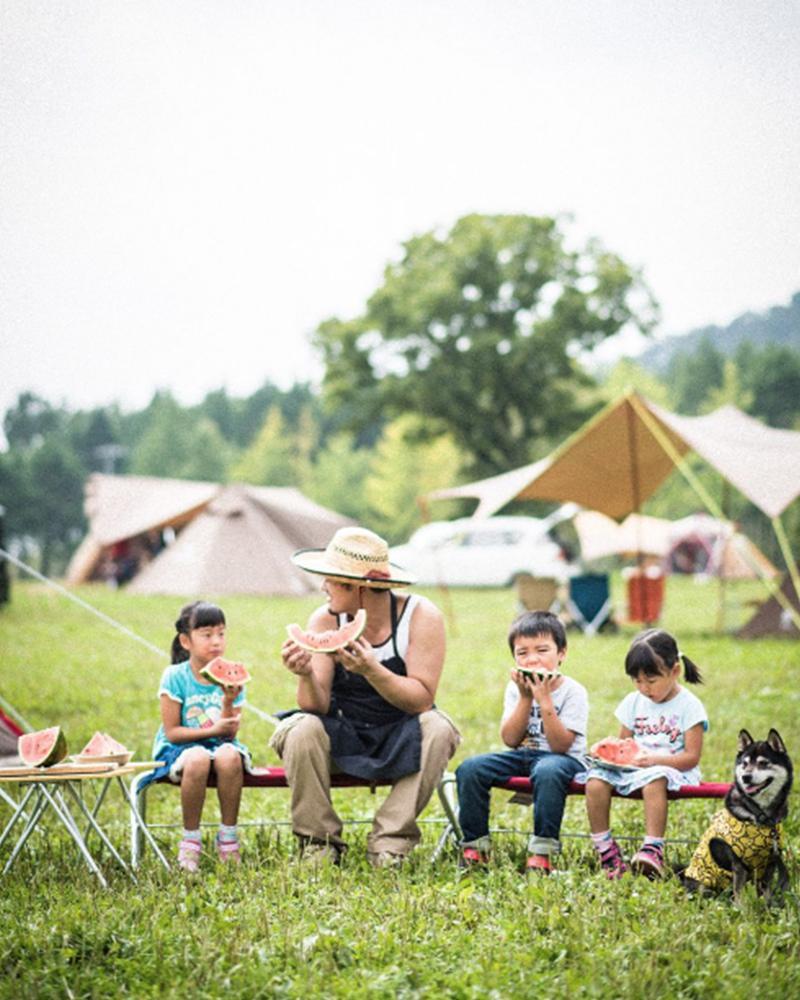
(97, 803)
(94, 825)
(19, 813)
(61, 809)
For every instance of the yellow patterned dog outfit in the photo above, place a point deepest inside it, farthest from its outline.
(750, 842)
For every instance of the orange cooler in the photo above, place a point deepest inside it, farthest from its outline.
(645, 594)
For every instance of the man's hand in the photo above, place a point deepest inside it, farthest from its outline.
(295, 658)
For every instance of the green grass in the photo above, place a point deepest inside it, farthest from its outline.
(275, 929)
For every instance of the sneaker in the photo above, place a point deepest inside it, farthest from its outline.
(189, 855)
(649, 861)
(538, 864)
(612, 862)
(228, 851)
(385, 859)
(471, 857)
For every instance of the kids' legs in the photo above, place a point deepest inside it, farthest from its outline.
(194, 778)
(230, 775)
(551, 774)
(654, 795)
(598, 804)
(474, 778)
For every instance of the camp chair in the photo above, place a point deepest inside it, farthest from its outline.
(589, 602)
(536, 593)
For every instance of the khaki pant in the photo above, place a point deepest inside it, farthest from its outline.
(303, 745)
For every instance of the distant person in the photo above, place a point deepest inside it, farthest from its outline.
(198, 732)
(667, 722)
(545, 719)
(367, 710)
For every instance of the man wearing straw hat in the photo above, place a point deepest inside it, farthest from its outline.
(367, 710)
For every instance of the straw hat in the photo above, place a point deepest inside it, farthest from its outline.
(354, 555)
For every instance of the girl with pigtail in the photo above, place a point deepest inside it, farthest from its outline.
(667, 723)
(198, 732)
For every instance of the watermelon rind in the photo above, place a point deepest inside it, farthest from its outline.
(331, 641)
(42, 748)
(220, 671)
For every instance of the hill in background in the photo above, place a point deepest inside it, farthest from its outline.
(778, 325)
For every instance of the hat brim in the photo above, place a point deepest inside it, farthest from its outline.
(316, 561)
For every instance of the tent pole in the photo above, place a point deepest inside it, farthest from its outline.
(726, 497)
(786, 550)
(652, 425)
(636, 497)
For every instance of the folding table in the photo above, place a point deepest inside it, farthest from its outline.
(60, 788)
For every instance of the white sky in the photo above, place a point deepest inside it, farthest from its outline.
(189, 187)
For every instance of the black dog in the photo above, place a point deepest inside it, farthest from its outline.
(743, 842)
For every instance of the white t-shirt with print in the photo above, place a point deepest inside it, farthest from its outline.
(661, 726)
(571, 704)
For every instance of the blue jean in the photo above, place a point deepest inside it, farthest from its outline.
(550, 773)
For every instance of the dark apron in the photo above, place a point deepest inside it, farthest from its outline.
(370, 738)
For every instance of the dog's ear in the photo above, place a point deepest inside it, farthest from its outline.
(745, 739)
(775, 742)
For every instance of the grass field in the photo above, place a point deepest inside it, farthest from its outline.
(275, 929)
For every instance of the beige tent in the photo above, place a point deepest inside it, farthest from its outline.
(231, 539)
(656, 538)
(624, 453)
(600, 536)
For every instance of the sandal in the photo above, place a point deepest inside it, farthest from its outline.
(228, 851)
(189, 855)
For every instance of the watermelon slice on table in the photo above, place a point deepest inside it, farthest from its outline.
(42, 748)
(331, 640)
(616, 751)
(102, 744)
(226, 673)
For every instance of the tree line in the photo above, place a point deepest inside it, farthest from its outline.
(468, 360)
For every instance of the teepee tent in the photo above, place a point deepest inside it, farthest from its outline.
(624, 453)
(230, 539)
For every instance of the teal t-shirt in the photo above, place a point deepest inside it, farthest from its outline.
(201, 707)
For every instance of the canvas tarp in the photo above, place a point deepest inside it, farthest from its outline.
(232, 539)
(624, 453)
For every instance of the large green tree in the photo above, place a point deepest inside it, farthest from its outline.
(477, 331)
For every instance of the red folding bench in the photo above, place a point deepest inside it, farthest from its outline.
(524, 786)
(262, 777)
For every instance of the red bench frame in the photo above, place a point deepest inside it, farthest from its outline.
(447, 797)
(261, 777)
(275, 777)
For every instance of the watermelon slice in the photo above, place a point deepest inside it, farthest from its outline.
(100, 745)
(226, 673)
(616, 751)
(330, 641)
(43, 748)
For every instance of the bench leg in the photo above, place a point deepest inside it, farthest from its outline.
(447, 797)
(137, 800)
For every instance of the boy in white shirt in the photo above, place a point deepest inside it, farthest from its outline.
(545, 719)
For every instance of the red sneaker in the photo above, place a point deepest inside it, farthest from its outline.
(539, 863)
(471, 857)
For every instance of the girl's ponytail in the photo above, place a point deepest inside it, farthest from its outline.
(690, 671)
(182, 627)
(654, 651)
